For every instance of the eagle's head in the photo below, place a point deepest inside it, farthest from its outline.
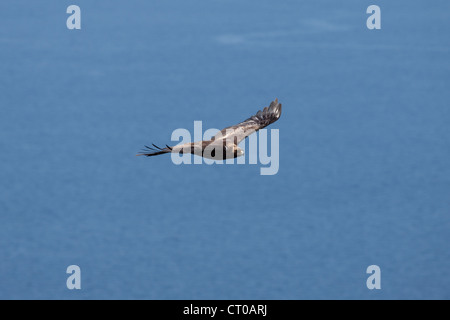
(238, 152)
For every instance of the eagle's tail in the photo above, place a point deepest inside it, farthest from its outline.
(149, 151)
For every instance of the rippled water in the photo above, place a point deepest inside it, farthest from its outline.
(364, 150)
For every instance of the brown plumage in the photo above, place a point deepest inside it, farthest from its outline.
(224, 144)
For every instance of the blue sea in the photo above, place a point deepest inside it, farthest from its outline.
(364, 150)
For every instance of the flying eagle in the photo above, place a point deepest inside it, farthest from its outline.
(224, 144)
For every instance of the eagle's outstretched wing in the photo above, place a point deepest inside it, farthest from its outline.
(149, 151)
(262, 119)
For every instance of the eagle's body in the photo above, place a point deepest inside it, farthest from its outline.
(224, 145)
